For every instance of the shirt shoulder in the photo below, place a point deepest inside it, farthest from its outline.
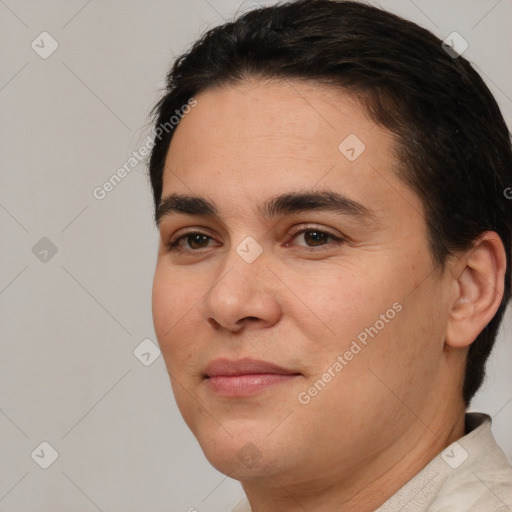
(471, 475)
(481, 477)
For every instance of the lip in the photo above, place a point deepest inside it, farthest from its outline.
(244, 377)
(245, 366)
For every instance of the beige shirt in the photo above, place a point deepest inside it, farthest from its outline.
(471, 475)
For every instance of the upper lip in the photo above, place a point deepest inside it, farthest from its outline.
(244, 366)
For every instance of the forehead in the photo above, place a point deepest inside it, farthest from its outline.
(260, 119)
(247, 141)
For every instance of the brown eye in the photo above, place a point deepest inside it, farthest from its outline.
(190, 242)
(197, 240)
(314, 238)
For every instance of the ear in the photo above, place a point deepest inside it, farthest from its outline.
(479, 280)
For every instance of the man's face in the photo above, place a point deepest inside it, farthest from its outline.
(310, 288)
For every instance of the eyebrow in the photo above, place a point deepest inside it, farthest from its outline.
(288, 203)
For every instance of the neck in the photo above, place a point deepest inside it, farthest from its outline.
(369, 485)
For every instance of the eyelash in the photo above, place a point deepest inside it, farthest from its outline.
(173, 244)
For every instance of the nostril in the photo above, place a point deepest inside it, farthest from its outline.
(214, 323)
(232, 327)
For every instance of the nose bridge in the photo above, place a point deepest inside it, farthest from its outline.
(241, 290)
(238, 279)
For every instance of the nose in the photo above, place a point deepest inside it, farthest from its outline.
(245, 295)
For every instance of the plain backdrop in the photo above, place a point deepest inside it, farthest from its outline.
(76, 271)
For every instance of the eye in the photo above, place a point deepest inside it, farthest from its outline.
(193, 240)
(315, 237)
(312, 237)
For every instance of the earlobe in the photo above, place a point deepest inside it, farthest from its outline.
(480, 288)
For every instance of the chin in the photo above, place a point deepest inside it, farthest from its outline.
(238, 455)
(244, 462)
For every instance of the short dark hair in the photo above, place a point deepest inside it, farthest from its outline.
(451, 139)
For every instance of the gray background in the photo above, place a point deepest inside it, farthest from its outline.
(70, 321)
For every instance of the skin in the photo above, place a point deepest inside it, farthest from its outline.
(398, 402)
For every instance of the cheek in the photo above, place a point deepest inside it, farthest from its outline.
(405, 354)
(175, 303)
(380, 308)
(338, 302)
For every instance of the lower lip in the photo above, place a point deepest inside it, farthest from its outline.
(245, 385)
